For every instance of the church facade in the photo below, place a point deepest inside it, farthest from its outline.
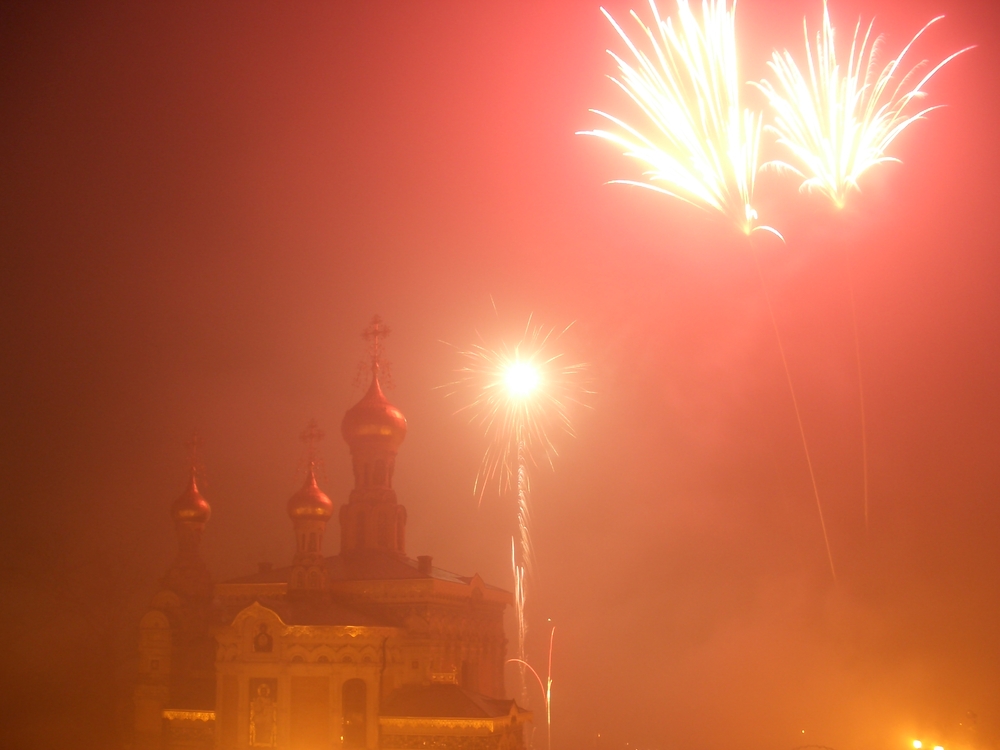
(367, 649)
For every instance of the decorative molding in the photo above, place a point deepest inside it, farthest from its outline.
(420, 722)
(180, 715)
(337, 631)
(257, 611)
(510, 739)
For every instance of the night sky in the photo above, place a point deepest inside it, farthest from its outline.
(203, 204)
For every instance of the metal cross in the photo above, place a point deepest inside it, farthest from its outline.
(193, 444)
(376, 333)
(311, 435)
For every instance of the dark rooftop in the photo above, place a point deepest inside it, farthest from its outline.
(362, 566)
(316, 608)
(443, 700)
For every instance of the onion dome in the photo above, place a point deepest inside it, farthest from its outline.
(191, 506)
(310, 502)
(373, 417)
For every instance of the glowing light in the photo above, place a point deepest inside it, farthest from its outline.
(546, 686)
(917, 744)
(699, 144)
(938, 747)
(838, 121)
(520, 396)
(522, 379)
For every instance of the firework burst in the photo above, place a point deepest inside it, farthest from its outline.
(838, 122)
(698, 143)
(520, 397)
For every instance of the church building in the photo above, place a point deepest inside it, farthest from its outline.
(367, 649)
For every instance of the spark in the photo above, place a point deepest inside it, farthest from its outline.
(546, 687)
(840, 122)
(699, 145)
(520, 397)
(522, 624)
(521, 379)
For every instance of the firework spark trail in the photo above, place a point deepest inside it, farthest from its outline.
(522, 627)
(798, 415)
(700, 146)
(839, 122)
(703, 146)
(861, 384)
(546, 686)
(522, 500)
(519, 396)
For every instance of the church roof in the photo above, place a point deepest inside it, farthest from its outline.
(319, 608)
(363, 566)
(373, 418)
(191, 506)
(378, 566)
(445, 701)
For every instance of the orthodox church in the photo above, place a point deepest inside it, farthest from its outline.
(366, 649)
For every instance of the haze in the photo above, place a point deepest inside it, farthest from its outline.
(204, 204)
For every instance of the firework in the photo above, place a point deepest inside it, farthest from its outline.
(522, 626)
(698, 144)
(546, 686)
(520, 397)
(701, 145)
(838, 122)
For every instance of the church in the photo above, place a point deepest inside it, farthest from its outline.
(367, 649)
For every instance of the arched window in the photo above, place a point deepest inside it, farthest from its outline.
(355, 712)
(379, 473)
(312, 541)
(313, 579)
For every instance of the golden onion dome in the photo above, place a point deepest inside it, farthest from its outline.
(374, 418)
(310, 501)
(191, 506)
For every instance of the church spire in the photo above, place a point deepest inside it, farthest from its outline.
(190, 512)
(309, 510)
(374, 430)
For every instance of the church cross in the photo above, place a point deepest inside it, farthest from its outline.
(192, 445)
(311, 435)
(375, 334)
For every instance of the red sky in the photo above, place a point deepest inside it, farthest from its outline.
(203, 204)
